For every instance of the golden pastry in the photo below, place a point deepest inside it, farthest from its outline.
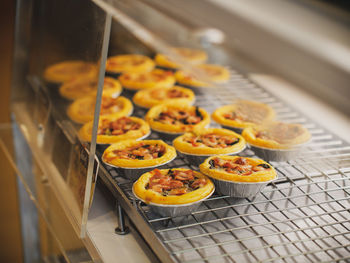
(151, 97)
(82, 110)
(129, 63)
(173, 186)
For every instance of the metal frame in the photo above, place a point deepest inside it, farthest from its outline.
(301, 217)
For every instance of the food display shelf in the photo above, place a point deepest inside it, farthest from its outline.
(301, 217)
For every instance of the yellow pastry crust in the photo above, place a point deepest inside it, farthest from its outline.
(111, 158)
(155, 111)
(147, 80)
(129, 63)
(277, 135)
(80, 87)
(192, 56)
(213, 73)
(82, 110)
(249, 113)
(221, 174)
(86, 130)
(150, 196)
(151, 97)
(182, 145)
(66, 70)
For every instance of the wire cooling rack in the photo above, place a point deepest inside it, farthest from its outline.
(303, 216)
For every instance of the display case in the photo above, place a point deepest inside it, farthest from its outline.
(64, 83)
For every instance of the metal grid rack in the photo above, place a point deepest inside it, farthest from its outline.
(301, 217)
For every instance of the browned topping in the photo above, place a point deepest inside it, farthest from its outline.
(180, 117)
(110, 105)
(141, 152)
(153, 76)
(247, 113)
(175, 182)
(281, 132)
(212, 140)
(124, 62)
(240, 166)
(117, 127)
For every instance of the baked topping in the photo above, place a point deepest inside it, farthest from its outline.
(175, 182)
(240, 166)
(161, 94)
(117, 127)
(141, 151)
(247, 113)
(153, 76)
(282, 133)
(175, 116)
(211, 140)
(121, 61)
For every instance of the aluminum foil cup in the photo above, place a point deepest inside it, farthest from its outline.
(175, 210)
(197, 159)
(133, 174)
(239, 189)
(235, 129)
(278, 155)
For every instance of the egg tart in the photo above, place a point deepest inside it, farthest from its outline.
(202, 143)
(80, 87)
(277, 141)
(129, 63)
(242, 114)
(238, 176)
(113, 129)
(175, 119)
(212, 73)
(137, 157)
(82, 110)
(191, 56)
(173, 186)
(66, 70)
(158, 95)
(146, 80)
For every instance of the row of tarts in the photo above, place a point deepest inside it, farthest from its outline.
(176, 191)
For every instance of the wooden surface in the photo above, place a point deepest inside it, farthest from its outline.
(10, 235)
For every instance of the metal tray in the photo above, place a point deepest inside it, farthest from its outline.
(301, 217)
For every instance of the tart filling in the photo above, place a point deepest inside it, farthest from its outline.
(238, 169)
(82, 110)
(176, 118)
(129, 63)
(173, 186)
(146, 80)
(67, 70)
(210, 141)
(154, 96)
(277, 135)
(112, 129)
(136, 154)
(212, 73)
(80, 86)
(192, 56)
(243, 114)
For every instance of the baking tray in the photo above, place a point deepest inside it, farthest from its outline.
(301, 217)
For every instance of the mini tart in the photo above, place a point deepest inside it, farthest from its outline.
(146, 80)
(209, 141)
(243, 113)
(129, 63)
(80, 87)
(277, 135)
(155, 96)
(173, 186)
(238, 169)
(192, 56)
(213, 73)
(82, 110)
(66, 70)
(113, 129)
(138, 154)
(176, 118)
